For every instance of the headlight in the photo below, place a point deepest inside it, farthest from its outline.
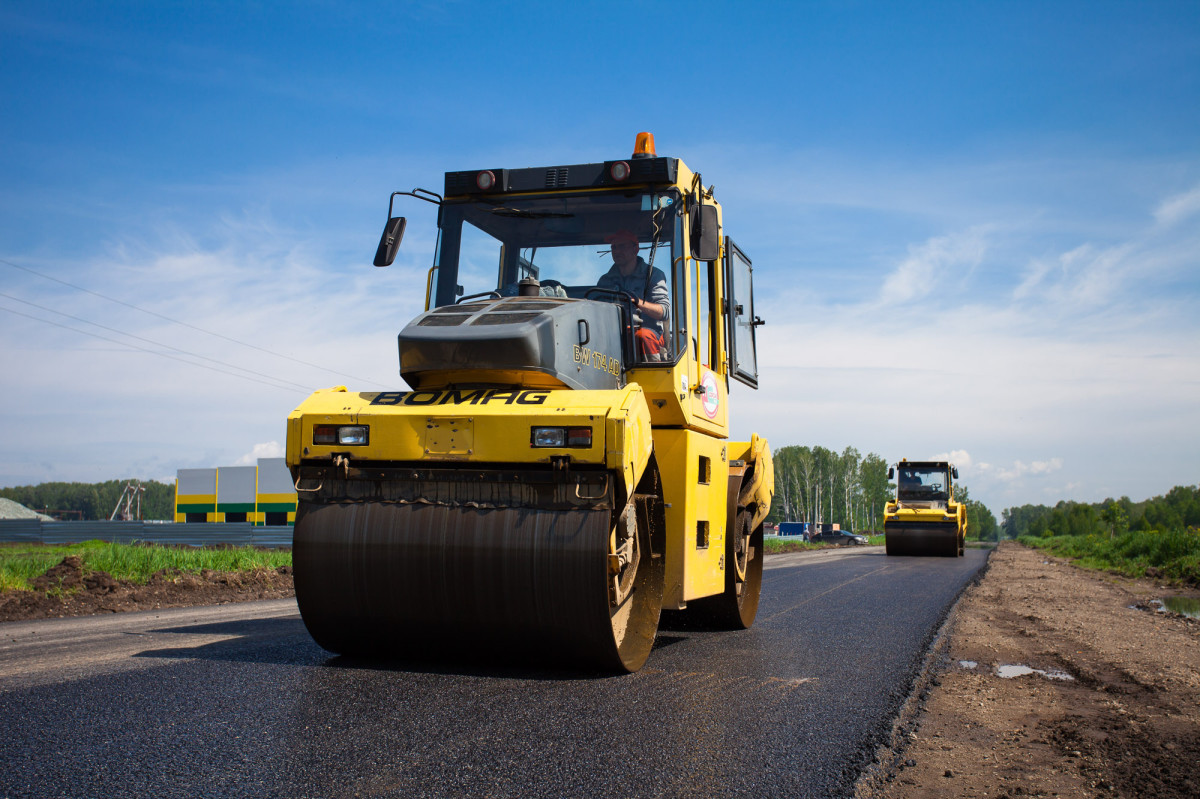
(580, 437)
(349, 435)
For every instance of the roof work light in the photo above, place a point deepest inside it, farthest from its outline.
(643, 147)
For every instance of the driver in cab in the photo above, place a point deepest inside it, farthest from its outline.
(631, 275)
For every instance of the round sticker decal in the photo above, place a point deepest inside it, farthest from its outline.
(711, 399)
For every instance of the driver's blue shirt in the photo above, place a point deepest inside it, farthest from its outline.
(635, 284)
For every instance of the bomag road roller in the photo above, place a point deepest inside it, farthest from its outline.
(924, 518)
(559, 469)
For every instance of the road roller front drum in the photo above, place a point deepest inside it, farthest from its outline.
(473, 564)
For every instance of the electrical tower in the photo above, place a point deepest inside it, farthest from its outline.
(129, 506)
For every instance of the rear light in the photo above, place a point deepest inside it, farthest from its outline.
(350, 435)
(485, 180)
(559, 437)
(619, 171)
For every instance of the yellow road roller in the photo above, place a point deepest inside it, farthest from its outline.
(558, 469)
(924, 518)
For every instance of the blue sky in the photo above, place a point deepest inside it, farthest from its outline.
(975, 226)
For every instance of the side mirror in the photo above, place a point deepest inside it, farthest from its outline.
(706, 234)
(389, 242)
(891, 473)
(954, 471)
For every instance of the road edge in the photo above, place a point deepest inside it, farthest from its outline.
(888, 761)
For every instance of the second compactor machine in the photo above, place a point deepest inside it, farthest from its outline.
(559, 469)
(924, 518)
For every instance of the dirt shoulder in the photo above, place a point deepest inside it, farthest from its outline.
(1115, 710)
(75, 594)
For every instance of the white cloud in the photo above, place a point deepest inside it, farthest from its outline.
(269, 449)
(930, 263)
(1020, 469)
(1178, 207)
(959, 457)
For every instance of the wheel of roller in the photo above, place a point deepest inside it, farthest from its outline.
(736, 607)
(410, 580)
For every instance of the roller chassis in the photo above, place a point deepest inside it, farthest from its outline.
(446, 522)
(925, 520)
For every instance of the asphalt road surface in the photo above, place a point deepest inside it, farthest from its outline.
(237, 700)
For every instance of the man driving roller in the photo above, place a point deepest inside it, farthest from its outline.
(647, 287)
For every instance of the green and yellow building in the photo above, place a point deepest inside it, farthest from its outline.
(262, 494)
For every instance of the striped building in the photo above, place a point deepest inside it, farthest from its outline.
(262, 494)
(275, 500)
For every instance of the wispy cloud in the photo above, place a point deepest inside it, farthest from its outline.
(1178, 207)
(1064, 368)
(1019, 469)
(930, 264)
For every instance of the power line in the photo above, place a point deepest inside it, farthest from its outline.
(143, 349)
(148, 341)
(184, 324)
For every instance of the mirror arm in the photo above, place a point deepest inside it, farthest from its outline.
(420, 194)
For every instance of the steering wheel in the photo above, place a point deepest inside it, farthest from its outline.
(617, 295)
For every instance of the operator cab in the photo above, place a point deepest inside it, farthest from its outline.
(513, 241)
(487, 246)
(923, 482)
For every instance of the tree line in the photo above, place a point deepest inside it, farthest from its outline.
(1177, 510)
(819, 485)
(93, 501)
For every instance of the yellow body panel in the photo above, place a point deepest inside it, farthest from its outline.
(955, 514)
(759, 489)
(695, 470)
(477, 426)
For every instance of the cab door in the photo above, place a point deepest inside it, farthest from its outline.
(739, 315)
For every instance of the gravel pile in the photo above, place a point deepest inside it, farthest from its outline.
(15, 510)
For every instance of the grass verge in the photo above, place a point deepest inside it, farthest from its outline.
(21, 564)
(1171, 555)
(774, 545)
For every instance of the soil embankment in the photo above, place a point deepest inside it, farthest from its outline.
(1108, 703)
(65, 590)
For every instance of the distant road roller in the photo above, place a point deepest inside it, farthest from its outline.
(559, 469)
(924, 518)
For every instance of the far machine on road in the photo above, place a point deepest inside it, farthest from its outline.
(560, 470)
(924, 518)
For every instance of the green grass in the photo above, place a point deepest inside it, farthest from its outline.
(774, 546)
(1173, 555)
(21, 564)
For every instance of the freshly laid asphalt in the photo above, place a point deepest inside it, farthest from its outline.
(239, 701)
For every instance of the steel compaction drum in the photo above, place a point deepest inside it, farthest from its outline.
(411, 579)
